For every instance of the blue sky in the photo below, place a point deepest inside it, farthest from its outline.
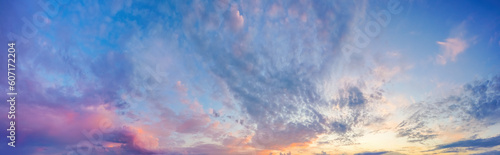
(255, 77)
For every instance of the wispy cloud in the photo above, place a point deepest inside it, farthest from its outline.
(454, 45)
(475, 143)
(451, 48)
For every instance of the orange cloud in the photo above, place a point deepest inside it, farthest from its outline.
(292, 147)
(144, 139)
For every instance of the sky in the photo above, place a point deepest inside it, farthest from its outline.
(253, 77)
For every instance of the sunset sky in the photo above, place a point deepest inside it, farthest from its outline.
(253, 77)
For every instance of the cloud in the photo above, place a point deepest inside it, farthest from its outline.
(279, 86)
(150, 66)
(235, 19)
(276, 69)
(181, 88)
(451, 48)
(489, 153)
(207, 149)
(133, 140)
(415, 132)
(454, 45)
(475, 107)
(475, 143)
(372, 153)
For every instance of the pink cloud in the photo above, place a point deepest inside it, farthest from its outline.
(181, 88)
(193, 125)
(144, 139)
(275, 11)
(46, 122)
(450, 49)
(236, 20)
